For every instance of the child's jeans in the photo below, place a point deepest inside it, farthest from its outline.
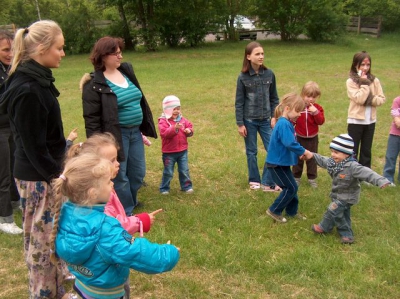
(287, 199)
(392, 152)
(169, 160)
(337, 214)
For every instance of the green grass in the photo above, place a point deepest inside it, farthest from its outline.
(229, 248)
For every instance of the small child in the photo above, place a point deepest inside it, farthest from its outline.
(105, 145)
(98, 251)
(346, 175)
(307, 131)
(174, 131)
(393, 146)
(283, 152)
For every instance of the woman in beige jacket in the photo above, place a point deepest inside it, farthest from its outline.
(365, 93)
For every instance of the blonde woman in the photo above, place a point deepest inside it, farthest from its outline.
(31, 102)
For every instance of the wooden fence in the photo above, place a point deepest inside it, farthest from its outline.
(367, 25)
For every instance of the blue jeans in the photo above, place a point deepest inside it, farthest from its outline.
(392, 152)
(338, 214)
(131, 171)
(263, 127)
(287, 199)
(169, 160)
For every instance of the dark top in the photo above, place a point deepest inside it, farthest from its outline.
(35, 120)
(100, 108)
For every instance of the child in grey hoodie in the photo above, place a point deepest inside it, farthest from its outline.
(346, 175)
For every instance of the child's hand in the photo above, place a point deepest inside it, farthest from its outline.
(169, 242)
(273, 122)
(187, 131)
(152, 215)
(73, 134)
(307, 155)
(312, 108)
(178, 126)
(384, 186)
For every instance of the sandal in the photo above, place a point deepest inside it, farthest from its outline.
(271, 189)
(254, 185)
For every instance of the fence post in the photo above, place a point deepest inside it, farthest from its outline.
(359, 25)
(378, 34)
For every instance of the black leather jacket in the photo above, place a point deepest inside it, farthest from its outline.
(100, 109)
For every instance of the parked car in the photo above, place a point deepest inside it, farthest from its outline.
(244, 27)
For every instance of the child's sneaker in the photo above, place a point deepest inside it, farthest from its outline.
(347, 240)
(254, 185)
(165, 193)
(189, 191)
(271, 189)
(277, 218)
(298, 216)
(313, 183)
(317, 229)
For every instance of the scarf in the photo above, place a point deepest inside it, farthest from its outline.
(334, 168)
(41, 74)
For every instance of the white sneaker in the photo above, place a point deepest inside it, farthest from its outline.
(189, 191)
(10, 228)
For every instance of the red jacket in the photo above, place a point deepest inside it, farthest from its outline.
(174, 141)
(307, 124)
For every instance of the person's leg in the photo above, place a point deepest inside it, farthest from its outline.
(183, 170)
(6, 211)
(297, 170)
(265, 131)
(283, 176)
(355, 132)
(251, 151)
(312, 146)
(392, 151)
(45, 278)
(366, 145)
(343, 224)
(121, 181)
(168, 172)
(13, 188)
(136, 168)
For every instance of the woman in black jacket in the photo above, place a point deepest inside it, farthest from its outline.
(114, 102)
(30, 100)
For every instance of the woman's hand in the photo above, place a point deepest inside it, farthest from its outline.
(242, 131)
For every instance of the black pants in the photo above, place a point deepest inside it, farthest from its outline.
(363, 136)
(310, 144)
(8, 190)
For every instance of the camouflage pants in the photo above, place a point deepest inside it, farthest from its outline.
(45, 278)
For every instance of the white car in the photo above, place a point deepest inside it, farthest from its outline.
(243, 25)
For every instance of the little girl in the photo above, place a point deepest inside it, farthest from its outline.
(105, 145)
(98, 251)
(174, 131)
(283, 152)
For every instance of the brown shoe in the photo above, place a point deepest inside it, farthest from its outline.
(347, 240)
(277, 218)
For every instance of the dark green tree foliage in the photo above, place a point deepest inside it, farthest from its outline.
(183, 21)
(21, 12)
(326, 20)
(77, 22)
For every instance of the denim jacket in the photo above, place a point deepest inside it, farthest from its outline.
(256, 96)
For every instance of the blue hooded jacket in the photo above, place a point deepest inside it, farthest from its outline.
(99, 252)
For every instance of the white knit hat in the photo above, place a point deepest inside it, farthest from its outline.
(169, 103)
(343, 143)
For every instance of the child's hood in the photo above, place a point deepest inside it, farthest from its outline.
(79, 232)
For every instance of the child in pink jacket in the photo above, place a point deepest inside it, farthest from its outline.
(174, 131)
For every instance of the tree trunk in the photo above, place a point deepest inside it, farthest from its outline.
(125, 27)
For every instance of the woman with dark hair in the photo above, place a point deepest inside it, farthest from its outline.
(9, 197)
(365, 93)
(256, 100)
(114, 102)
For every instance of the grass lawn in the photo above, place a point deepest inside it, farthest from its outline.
(229, 247)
